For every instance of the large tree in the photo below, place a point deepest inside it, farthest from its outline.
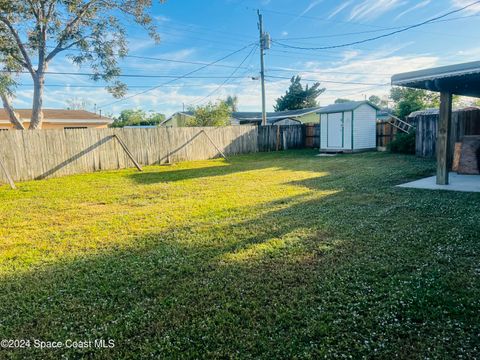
(232, 102)
(342, 101)
(137, 118)
(34, 32)
(211, 114)
(408, 100)
(296, 97)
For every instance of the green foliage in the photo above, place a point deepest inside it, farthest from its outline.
(403, 143)
(210, 115)
(378, 101)
(264, 256)
(342, 101)
(408, 100)
(296, 97)
(232, 102)
(34, 32)
(137, 118)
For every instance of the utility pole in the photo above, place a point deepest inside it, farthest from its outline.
(263, 45)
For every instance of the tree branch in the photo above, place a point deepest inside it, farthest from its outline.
(68, 28)
(20, 45)
(57, 49)
(13, 116)
(34, 11)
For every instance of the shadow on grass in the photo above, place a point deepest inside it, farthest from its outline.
(330, 273)
(233, 165)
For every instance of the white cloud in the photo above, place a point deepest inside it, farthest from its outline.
(340, 8)
(313, 4)
(371, 9)
(413, 8)
(461, 3)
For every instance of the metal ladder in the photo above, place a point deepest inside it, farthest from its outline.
(400, 124)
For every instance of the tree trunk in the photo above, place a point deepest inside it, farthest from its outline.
(37, 112)
(14, 118)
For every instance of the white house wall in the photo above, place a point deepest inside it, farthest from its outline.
(364, 127)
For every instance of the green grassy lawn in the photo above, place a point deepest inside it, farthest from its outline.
(272, 255)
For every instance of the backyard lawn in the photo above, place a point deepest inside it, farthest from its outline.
(271, 255)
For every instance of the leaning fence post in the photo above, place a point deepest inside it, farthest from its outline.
(216, 147)
(129, 154)
(7, 174)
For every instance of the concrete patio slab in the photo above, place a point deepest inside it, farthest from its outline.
(465, 183)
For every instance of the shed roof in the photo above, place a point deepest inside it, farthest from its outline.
(459, 79)
(346, 106)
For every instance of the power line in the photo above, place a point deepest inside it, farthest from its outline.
(380, 36)
(326, 72)
(103, 86)
(229, 78)
(127, 75)
(380, 30)
(330, 81)
(177, 78)
(162, 59)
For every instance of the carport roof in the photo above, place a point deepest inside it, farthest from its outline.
(459, 79)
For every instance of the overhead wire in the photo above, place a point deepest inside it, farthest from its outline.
(229, 78)
(176, 78)
(379, 36)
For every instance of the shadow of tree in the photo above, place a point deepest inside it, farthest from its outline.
(330, 272)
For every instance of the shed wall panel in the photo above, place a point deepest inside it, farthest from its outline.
(364, 127)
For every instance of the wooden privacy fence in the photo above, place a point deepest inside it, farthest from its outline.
(39, 154)
(464, 122)
(281, 137)
(386, 132)
(312, 136)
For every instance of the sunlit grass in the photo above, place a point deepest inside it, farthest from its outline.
(274, 255)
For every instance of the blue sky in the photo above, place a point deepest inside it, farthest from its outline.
(204, 31)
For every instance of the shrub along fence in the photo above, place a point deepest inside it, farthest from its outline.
(40, 154)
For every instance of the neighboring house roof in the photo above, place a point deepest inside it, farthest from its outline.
(435, 111)
(185, 113)
(59, 116)
(274, 116)
(253, 116)
(347, 106)
(459, 79)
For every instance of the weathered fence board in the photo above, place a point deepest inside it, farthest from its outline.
(386, 132)
(312, 136)
(40, 154)
(281, 137)
(465, 122)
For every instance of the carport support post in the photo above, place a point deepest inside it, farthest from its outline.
(444, 128)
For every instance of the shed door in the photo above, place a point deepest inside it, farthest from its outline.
(335, 130)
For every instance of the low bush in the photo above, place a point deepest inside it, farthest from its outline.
(403, 143)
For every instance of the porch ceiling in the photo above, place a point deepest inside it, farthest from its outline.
(460, 79)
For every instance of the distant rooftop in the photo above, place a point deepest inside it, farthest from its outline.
(56, 114)
(256, 116)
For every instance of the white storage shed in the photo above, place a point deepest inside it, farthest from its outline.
(349, 126)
